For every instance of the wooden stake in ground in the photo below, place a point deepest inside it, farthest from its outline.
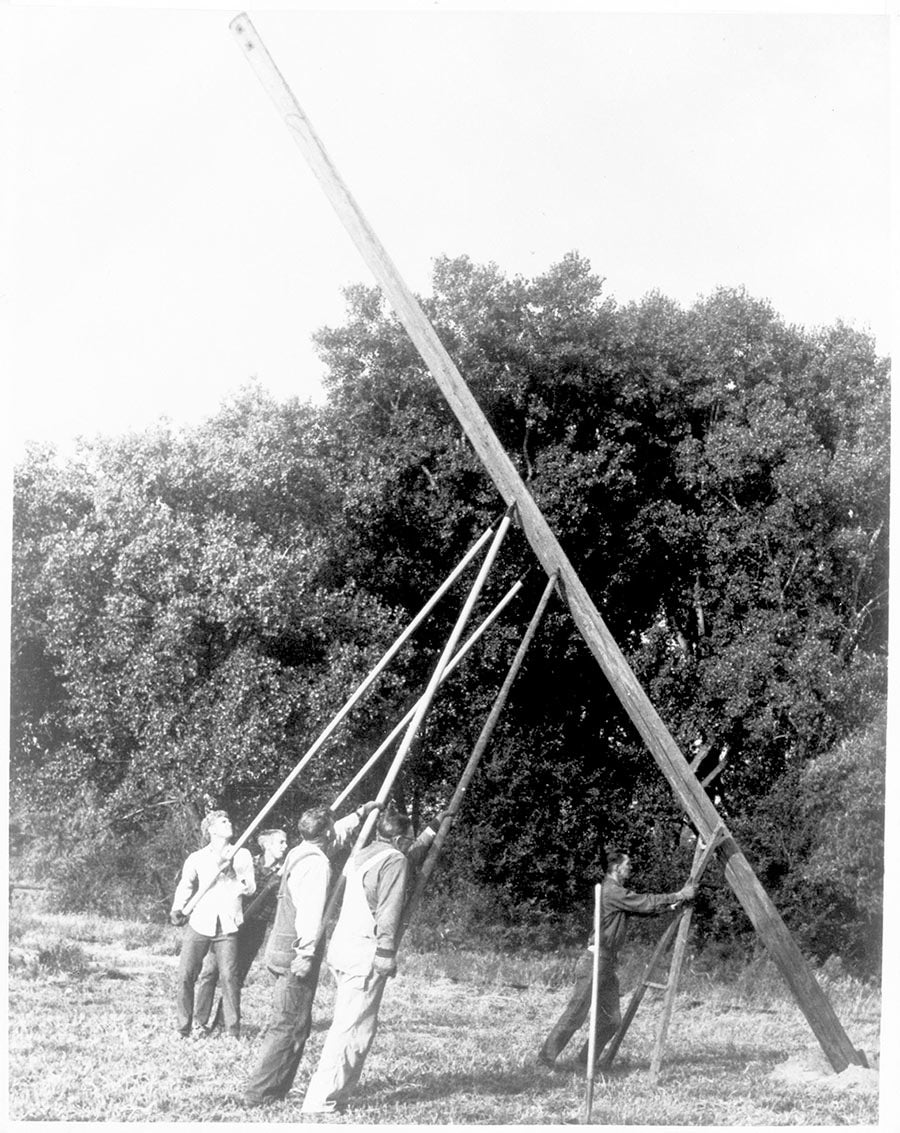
(698, 806)
(595, 991)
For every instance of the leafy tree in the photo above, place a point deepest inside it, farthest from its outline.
(719, 480)
(189, 647)
(190, 608)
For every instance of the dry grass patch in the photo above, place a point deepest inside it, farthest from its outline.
(456, 1045)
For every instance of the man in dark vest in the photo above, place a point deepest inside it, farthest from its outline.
(616, 904)
(296, 944)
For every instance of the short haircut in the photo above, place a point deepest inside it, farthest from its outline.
(209, 819)
(615, 856)
(314, 822)
(391, 823)
(268, 833)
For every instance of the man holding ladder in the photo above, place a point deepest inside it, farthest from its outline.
(616, 904)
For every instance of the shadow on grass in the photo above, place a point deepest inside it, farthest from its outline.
(735, 1058)
(495, 1083)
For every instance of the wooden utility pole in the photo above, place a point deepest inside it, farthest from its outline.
(763, 914)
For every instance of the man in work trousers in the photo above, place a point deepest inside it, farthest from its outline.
(616, 904)
(214, 920)
(252, 932)
(362, 955)
(294, 951)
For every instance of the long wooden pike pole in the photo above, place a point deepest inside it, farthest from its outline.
(592, 1024)
(353, 699)
(424, 702)
(434, 850)
(421, 707)
(458, 657)
(646, 719)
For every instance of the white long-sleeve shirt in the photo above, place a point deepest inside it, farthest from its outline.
(219, 909)
(309, 881)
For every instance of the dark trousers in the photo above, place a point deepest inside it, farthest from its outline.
(286, 1035)
(194, 947)
(578, 1008)
(250, 937)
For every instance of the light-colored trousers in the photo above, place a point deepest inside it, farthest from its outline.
(347, 1043)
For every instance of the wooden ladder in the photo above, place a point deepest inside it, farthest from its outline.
(679, 925)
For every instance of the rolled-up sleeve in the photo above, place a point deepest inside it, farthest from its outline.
(244, 872)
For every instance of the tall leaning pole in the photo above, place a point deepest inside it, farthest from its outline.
(697, 805)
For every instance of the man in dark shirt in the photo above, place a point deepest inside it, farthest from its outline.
(616, 904)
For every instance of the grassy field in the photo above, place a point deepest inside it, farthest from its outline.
(91, 1038)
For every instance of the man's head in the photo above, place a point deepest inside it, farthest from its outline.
(216, 824)
(316, 825)
(273, 843)
(395, 828)
(618, 864)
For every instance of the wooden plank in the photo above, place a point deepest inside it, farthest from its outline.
(638, 994)
(662, 1027)
(702, 855)
(643, 715)
(592, 1023)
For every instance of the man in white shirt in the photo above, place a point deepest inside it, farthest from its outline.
(296, 944)
(258, 915)
(223, 876)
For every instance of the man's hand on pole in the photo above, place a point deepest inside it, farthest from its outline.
(301, 966)
(384, 965)
(687, 892)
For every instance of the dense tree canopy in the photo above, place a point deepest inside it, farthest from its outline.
(190, 608)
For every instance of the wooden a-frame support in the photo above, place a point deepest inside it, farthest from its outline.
(697, 805)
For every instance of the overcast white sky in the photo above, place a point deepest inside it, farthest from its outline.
(168, 241)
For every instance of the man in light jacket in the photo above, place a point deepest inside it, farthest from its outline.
(296, 944)
(223, 876)
(362, 954)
